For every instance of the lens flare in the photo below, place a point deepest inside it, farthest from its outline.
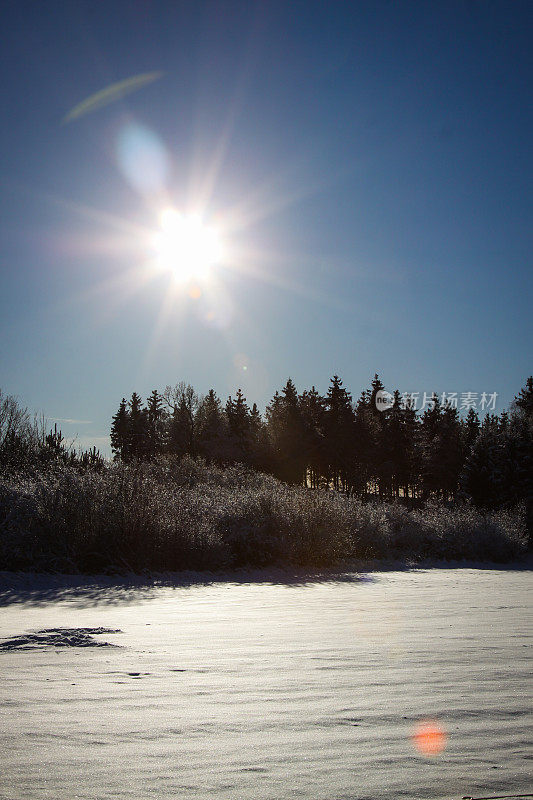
(195, 292)
(111, 93)
(142, 158)
(241, 361)
(429, 738)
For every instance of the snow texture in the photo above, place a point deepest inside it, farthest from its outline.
(266, 689)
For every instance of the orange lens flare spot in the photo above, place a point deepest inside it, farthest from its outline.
(429, 738)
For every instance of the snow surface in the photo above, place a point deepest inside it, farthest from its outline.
(267, 689)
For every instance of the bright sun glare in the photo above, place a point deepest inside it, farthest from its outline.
(186, 247)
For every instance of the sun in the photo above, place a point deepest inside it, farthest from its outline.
(186, 247)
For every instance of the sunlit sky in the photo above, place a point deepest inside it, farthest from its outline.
(358, 174)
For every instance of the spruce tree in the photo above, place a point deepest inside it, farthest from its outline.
(183, 403)
(137, 439)
(371, 460)
(260, 450)
(238, 418)
(312, 409)
(450, 452)
(398, 433)
(484, 472)
(212, 429)
(441, 450)
(120, 431)
(429, 448)
(471, 426)
(181, 430)
(376, 386)
(521, 429)
(286, 430)
(524, 401)
(339, 435)
(156, 423)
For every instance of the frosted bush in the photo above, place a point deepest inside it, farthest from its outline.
(172, 515)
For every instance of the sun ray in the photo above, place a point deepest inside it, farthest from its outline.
(271, 198)
(110, 295)
(187, 250)
(258, 265)
(203, 180)
(171, 301)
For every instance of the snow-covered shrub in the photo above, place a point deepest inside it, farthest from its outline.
(170, 516)
(20, 543)
(456, 532)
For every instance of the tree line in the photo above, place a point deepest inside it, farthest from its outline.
(332, 441)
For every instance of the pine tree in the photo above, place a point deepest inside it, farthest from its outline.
(156, 423)
(398, 439)
(137, 440)
(312, 409)
(120, 431)
(383, 449)
(183, 403)
(483, 475)
(212, 429)
(441, 447)
(238, 418)
(471, 426)
(260, 450)
(372, 464)
(286, 430)
(376, 386)
(521, 430)
(53, 447)
(91, 459)
(524, 401)
(412, 425)
(429, 448)
(498, 471)
(339, 435)
(450, 451)
(181, 431)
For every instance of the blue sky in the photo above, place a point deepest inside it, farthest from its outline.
(367, 165)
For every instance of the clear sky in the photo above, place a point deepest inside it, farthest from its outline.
(367, 167)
